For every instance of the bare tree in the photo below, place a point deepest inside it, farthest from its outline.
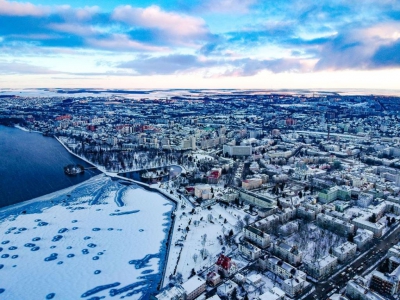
(239, 225)
(246, 219)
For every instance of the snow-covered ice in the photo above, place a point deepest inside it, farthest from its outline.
(96, 240)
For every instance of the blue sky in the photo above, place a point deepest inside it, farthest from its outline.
(200, 44)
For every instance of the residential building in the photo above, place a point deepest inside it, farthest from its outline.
(345, 252)
(334, 224)
(322, 267)
(273, 293)
(194, 287)
(336, 192)
(394, 262)
(306, 213)
(280, 268)
(364, 199)
(256, 236)
(265, 201)
(286, 214)
(249, 250)
(394, 251)
(225, 266)
(213, 278)
(267, 223)
(293, 286)
(237, 150)
(226, 289)
(385, 284)
(251, 183)
(376, 228)
(357, 290)
(288, 253)
(173, 293)
(203, 191)
(363, 238)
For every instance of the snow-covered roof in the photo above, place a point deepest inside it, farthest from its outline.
(254, 278)
(294, 281)
(272, 294)
(170, 293)
(226, 288)
(193, 283)
(363, 235)
(325, 261)
(346, 247)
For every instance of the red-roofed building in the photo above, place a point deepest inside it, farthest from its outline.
(190, 190)
(213, 278)
(214, 176)
(65, 117)
(225, 265)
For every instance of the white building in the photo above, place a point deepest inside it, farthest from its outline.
(203, 191)
(237, 150)
(293, 286)
(280, 268)
(226, 289)
(256, 236)
(189, 143)
(335, 224)
(251, 183)
(322, 267)
(363, 238)
(274, 293)
(194, 287)
(267, 223)
(288, 253)
(364, 199)
(376, 228)
(345, 252)
(306, 213)
(173, 293)
(249, 250)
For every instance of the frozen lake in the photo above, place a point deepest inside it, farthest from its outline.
(96, 240)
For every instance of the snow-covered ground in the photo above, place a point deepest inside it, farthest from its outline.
(183, 259)
(201, 155)
(98, 239)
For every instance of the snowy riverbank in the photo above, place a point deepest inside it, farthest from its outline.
(26, 129)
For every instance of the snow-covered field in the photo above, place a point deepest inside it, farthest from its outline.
(101, 238)
(202, 234)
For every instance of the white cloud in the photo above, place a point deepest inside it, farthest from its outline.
(22, 9)
(153, 17)
(118, 42)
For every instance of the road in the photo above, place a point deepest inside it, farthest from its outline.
(377, 250)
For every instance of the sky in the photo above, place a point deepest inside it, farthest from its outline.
(244, 44)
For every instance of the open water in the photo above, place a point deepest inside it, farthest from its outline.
(31, 165)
